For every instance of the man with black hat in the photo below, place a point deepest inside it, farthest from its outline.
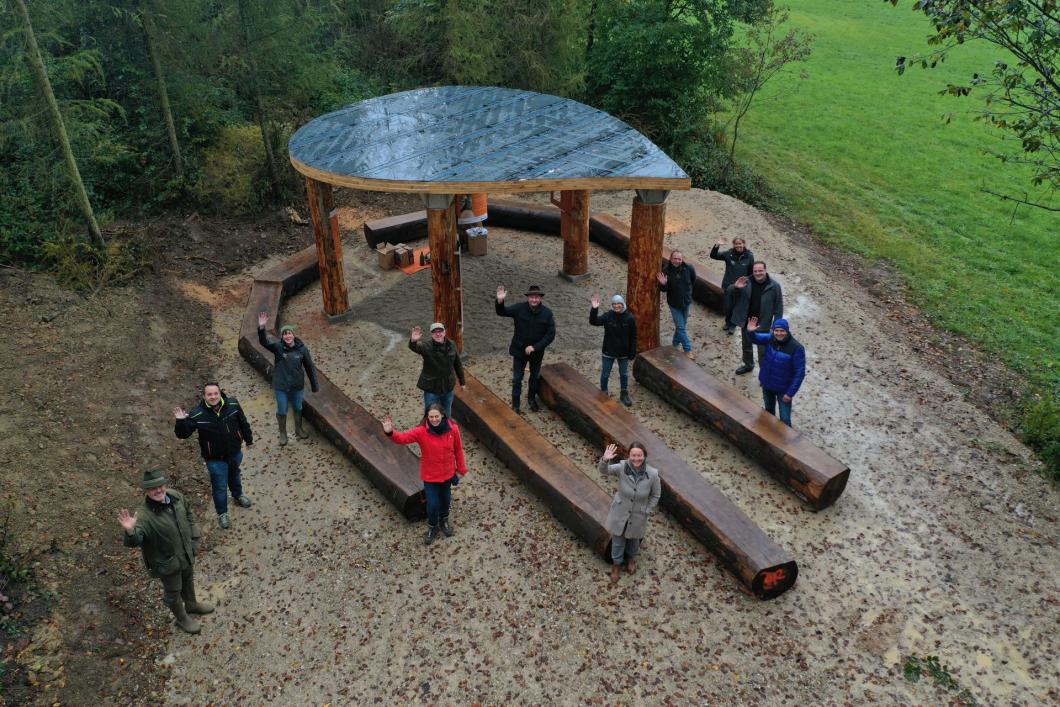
(165, 530)
(441, 367)
(534, 330)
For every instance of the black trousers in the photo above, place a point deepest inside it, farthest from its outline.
(747, 345)
(519, 368)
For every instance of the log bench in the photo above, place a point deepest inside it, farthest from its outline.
(392, 469)
(761, 565)
(403, 228)
(790, 458)
(573, 497)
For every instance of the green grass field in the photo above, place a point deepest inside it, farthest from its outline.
(865, 158)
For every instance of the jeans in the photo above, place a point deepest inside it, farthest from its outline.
(623, 548)
(294, 397)
(446, 399)
(519, 367)
(747, 347)
(771, 400)
(224, 475)
(623, 372)
(680, 316)
(439, 497)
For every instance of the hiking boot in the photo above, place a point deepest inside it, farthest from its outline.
(432, 534)
(691, 355)
(222, 520)
(298, 431)
(746, 368)
(631, 565)
(534, 407)
(186, 623)
(446, 528)
(281, 423)
(191, 605)
(244, 502)
(616, 573)
(624, 398)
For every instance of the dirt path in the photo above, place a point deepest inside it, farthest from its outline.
(945, 542)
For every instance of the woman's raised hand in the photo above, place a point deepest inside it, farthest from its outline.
(388, 424)
(127, 521)
(263, 319)
(610, 452)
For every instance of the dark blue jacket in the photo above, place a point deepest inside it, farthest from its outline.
(784, 364)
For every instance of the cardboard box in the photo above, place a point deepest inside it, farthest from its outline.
(476, 241)
(403, 256)
(385, 253)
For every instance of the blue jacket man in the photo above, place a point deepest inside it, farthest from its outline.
(783, 366)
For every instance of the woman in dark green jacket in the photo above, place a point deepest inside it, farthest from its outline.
(167, 533)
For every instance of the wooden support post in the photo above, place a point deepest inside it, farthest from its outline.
(645, 253)
(329, 248)
(574, 227)
(445, 266)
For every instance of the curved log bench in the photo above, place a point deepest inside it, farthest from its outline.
(392, 469)
(572, 496)
(606, 231)
(765, 568)
(789, 457)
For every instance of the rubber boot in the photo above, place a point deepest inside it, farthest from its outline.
(185, 622)
(432, 533)
(191, 605)
(446, 528)
(301, 434)
(624, 398)
(281, 423)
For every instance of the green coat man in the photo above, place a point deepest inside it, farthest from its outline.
(167, 533)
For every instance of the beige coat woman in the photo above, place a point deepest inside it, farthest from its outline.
(634, 501)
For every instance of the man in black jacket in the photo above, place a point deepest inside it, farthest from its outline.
(676, 280)
(441, 367)
(534, 330)
(223, 429)
(620, 342)
(758, 296)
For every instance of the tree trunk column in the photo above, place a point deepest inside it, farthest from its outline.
(329, 248)
(645, 253)
(574, 227)
(445, 266)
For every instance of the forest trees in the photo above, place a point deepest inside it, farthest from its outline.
(1023, 86)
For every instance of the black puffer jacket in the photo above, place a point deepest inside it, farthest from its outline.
(221, 433)
(620, 332)
(288, 362)
(533, 327)
(679, 283)
(737, 265)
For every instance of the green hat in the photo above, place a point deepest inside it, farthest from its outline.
(153, 478)
(286, 328)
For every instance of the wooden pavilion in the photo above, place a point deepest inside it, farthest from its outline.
(454, 140)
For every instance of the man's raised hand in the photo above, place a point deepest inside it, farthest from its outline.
(179, 413)
(127, 521)
(501, 293)
(595, 301)
(263, 319)
(661, 277)
(417, 333)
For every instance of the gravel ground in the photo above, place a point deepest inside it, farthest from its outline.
(944, 543)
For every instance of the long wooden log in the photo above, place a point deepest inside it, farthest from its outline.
(329, 247)
(403, 228)
(392, 469)
(761, 565)
(445, 271)
(645, 251)
(574, 228)
(573, 497)
(790, 458)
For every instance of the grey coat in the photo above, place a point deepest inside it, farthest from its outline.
(772, 304)
(633, 503)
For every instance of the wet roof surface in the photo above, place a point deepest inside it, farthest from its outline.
(474, 134)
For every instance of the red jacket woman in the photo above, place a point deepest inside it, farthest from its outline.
(442, 463)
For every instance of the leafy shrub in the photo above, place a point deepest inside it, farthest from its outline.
(708, 165)
(232, 179)
(78, 265)
(1041, 432)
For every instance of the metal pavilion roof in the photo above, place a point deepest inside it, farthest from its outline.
(459, 139)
